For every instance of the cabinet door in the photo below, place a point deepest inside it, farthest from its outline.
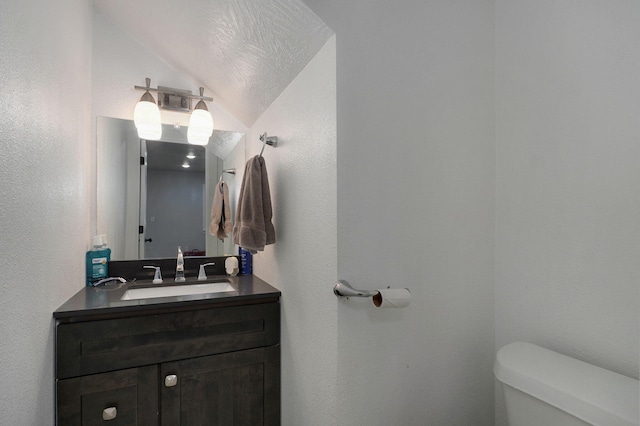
(237, 388)
(124, 397)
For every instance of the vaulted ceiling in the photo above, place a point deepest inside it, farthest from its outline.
(245, 51)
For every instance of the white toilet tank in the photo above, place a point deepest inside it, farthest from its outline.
(545, 388)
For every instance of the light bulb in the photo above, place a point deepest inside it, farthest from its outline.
(147, 119)
(200, 126)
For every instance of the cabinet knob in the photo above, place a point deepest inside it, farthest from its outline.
(171, 380)
(109, 413)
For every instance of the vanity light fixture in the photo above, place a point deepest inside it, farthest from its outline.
(147, 113)
(147, 116)
(200, 123)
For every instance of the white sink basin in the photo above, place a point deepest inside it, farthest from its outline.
(176, 290)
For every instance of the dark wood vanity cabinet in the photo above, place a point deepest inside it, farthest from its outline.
(125, 397)
(238, 387)
(213, 366)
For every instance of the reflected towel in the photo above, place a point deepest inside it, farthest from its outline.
(253, 228)
(220, 212)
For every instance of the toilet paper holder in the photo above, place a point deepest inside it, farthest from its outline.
(344, 289)
(381, 298)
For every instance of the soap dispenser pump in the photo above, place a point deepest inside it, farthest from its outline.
(180, 266)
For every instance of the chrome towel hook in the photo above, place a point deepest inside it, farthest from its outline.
(268, 140)
(230, 171)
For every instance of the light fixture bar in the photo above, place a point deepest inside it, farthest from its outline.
(200, 122)
(175, 92)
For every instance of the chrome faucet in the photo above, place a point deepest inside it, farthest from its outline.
(179, 266)
(201, 274)
(157, 276)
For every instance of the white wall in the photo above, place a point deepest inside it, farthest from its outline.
(415, 208)
(45, 76)
(302, 263)
(112, 180)
(120, 62)
(568, 206)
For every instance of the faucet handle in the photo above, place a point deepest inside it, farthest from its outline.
(201, 274)
(157, 277)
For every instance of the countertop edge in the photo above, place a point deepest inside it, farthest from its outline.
(91, 304)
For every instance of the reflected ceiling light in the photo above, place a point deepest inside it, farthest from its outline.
(186, 165)
(200, 123)
(147, 116)
(191, 156)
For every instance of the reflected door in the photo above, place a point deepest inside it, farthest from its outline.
(173, 208)
(142, 210)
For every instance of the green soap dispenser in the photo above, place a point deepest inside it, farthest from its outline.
(97, 261)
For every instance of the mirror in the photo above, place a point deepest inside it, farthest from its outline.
(147, 210)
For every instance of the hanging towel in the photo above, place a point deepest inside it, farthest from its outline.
(253, 228)
(220, 212)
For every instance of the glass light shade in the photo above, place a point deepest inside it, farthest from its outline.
(147, 119)
(200, 127)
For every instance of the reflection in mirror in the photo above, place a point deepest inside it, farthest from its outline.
(148, 202)
(175, 193)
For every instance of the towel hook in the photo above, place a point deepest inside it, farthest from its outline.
(268, 140)
(230, 171)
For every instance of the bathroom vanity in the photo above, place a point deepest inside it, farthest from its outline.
(194, 359)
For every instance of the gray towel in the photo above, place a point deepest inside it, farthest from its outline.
(253, 228)
(220, 212)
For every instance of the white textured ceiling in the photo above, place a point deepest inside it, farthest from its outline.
(246, 51)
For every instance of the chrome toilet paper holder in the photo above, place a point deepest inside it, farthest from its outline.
(344, 289)
(381, 298)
